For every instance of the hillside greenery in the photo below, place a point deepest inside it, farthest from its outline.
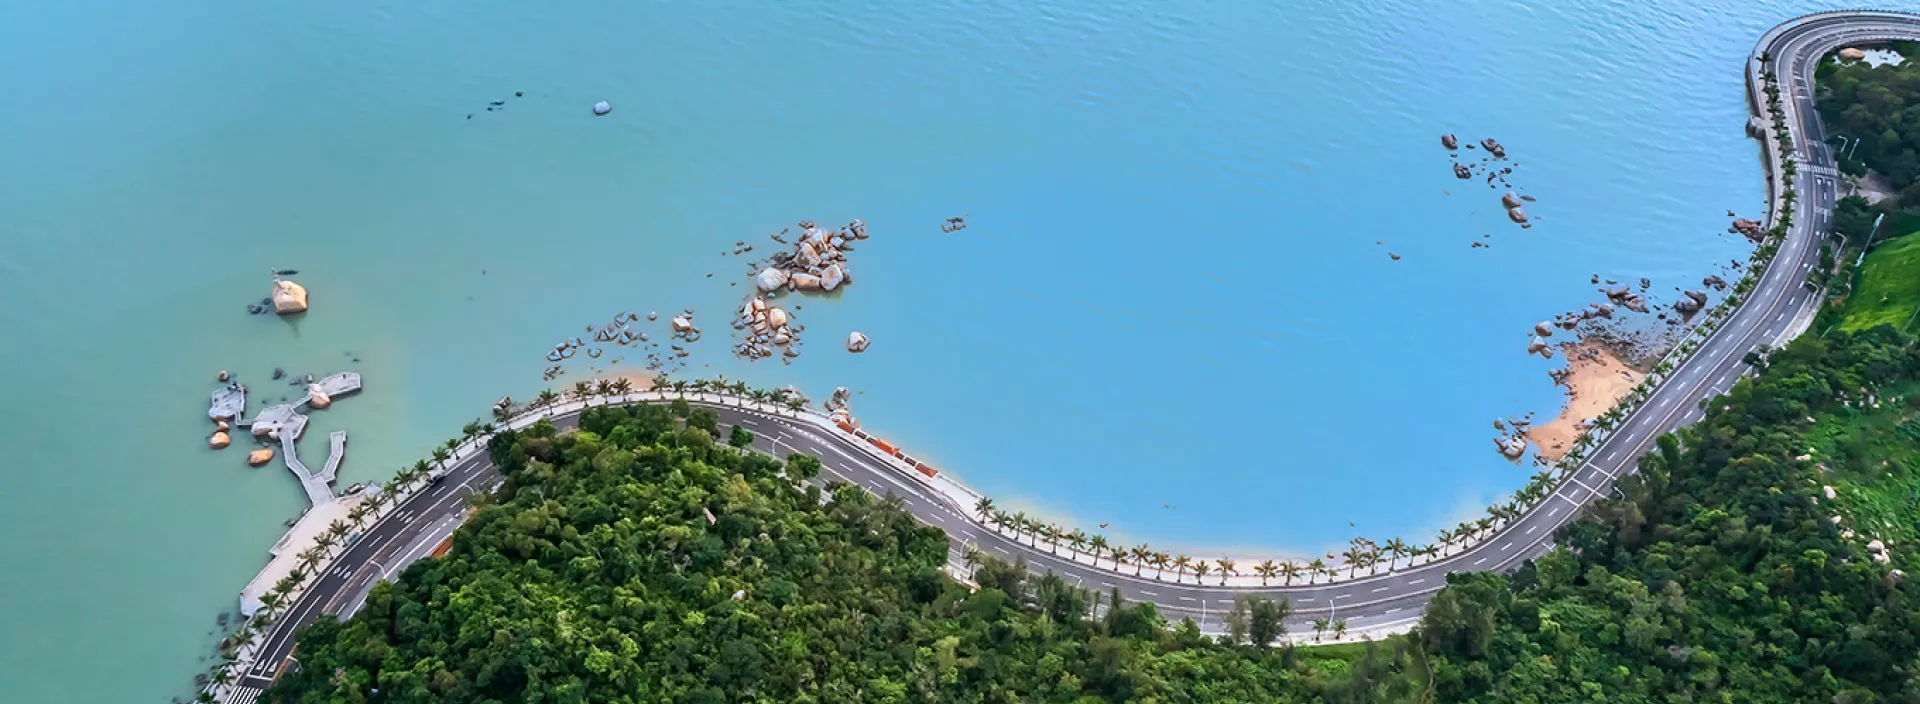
(638, 561)
(596, 575)
(1887, 287)
(1877, 111)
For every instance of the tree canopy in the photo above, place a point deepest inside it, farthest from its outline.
(636, 560)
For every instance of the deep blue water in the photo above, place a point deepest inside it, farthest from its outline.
(1170, 292)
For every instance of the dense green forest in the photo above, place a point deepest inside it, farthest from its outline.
(639, 561)
(1876, 110)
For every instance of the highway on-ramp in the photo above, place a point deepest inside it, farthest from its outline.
(1766, 317)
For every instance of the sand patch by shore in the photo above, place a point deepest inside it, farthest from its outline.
(1595, 380)
(641, 378)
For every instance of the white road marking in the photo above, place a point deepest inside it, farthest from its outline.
(1381, 589)
(1304, 600)
(1148, 593)
(1342, 596)
(1476, 563)
(1530, 529)
(1394, 610)
(1417, 581)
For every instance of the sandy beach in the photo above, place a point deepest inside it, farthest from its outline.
(1596, 379)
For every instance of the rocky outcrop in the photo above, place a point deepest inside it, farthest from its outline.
(832, 277)
(1511, 447)
(260, 457)
(1461, 171)
(1449, 141)
(1714, 282)
(1852, 54)
(1493, 147)
(1518, 215)
(1748, 228)
(289, 298)
(1543, 329)
(219, 440)
(1509, 200)
(857, 342)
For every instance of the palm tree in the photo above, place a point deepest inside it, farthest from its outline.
(581, 390)
(973, 556)
(984, 507)
(1019, 524)
(1352, 558)
(1227, 569)
(1316, 568)
(1447, 537)
(503, 415)
(339, 529)
(221, 675)
(1465, 530)
(1001, 519)
(1319, 627)
(358, 514)
(1097, 544)
(679, 386)
(1180, 565)
(241, 639)
(451, 444)
(796, 405)
(546, 398)
(488, 429)
(1077, 540)
(1200, 570)
(1395, 549)
(321, 543)
(420, 470)
(1290, 569)
(470, 431)
(1160, 562)
(1141, 556)
(268, 602)
(1267, 569)
(622, 387)
(441, 455)
(1054, 534)
(1339, 629)
(1483, 525)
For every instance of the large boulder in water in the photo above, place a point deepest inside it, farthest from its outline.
(857, 342)
(805, 282)
(219, 440)
(832, 277)
(603, 107)
(260, 457)
(1449, 141)
(289, 298)
(770, 279)
(1517, 214)
(1510, 200)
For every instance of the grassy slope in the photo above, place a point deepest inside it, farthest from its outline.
(1872, 460)
(1889, 289)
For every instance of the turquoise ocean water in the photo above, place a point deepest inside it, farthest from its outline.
(1170, 292)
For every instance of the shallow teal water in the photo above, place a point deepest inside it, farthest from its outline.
(1170, 292)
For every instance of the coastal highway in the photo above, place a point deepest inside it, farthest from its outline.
(1769, 313)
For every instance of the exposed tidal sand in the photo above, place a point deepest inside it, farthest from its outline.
(1596, 379)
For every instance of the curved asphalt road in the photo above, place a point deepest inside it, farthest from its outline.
(425, 518)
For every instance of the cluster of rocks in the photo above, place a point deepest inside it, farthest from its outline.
(1564, 321)
(1752, 230)
(1496, 177)
(839, 407)
(952, 225)
(766, 328)
(1713, 281)
(817, 262)
(1624, 296)
(622, 332)
(1512, 439)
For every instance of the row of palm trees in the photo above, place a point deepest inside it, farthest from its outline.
(1362, 553)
